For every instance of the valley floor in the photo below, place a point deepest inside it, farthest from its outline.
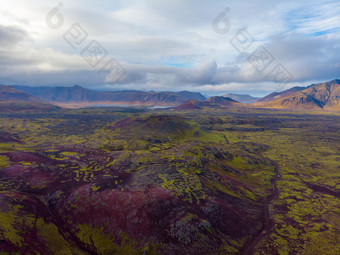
(141, 181)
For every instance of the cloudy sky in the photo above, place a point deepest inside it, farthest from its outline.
(214, 47)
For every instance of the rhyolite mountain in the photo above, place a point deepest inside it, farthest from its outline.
(314, 97)
(242, 98)
(77, 94)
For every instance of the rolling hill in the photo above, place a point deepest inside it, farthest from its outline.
(79, 95)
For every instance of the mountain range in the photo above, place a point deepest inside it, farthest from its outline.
(321, 96)
(79, 95)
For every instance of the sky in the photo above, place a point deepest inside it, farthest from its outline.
(213, 47)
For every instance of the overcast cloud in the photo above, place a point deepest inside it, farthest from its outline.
(172, 44)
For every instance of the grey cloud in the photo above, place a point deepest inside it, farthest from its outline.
(11, 35)
(308, 57)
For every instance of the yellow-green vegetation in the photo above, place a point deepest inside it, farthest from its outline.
(9, 219)
(186, 185)
(4, 162)
(54, 241)
(307, 220)
(15, 222)
(197, 157)
(105, 245)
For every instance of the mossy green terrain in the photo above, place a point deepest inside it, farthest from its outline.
(124, 181)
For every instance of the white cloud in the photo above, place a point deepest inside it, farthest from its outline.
(170, 44)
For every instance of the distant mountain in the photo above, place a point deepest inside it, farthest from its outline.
(211, 102)
(77, 94)
(316, 96)
(13, 100)
(242, 98)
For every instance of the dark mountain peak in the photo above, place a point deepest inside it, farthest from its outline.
(191, 95)
(335, 81)
(220, 100)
